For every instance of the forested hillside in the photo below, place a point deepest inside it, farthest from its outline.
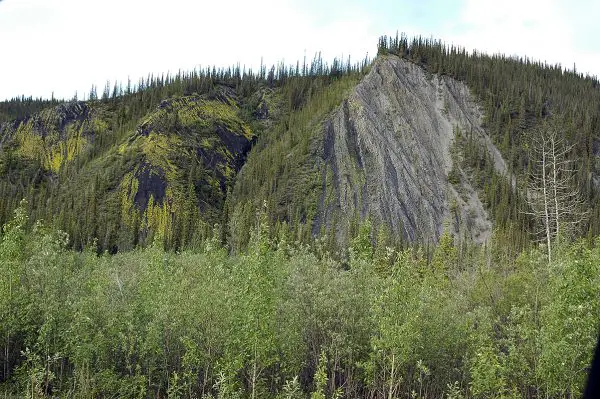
(149, 162)
(159, 159)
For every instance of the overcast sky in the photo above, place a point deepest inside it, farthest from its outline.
(62, 46)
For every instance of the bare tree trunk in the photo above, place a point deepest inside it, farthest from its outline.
(553, 196)
(8, 332)
(555, 185)
(545, 199)
(6, 354)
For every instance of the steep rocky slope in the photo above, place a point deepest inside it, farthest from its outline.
(382, 152)
(387, 155)
(187, 153)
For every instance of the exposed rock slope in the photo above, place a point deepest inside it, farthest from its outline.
(387, 155)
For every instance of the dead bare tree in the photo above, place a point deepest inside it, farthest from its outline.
(554, 199)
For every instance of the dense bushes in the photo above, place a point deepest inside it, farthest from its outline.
(283, 320)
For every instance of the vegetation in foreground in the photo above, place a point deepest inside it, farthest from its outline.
(283, 320)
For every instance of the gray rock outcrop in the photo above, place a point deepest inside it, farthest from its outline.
(386, 152)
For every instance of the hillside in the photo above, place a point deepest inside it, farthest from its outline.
(430, 140)
(158, 163)
(427, 139)
(164, 177)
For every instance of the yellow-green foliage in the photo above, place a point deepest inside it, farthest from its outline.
(39, 138)
(30, 144)
(159, 148)
(199, 113)
(128, 189)
(122, 148)
(158, 217)
(218, 112)
(65, 151)
(206, 143)
(98, 125)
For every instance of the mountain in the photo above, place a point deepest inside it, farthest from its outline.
(385, 153)
(423, 140)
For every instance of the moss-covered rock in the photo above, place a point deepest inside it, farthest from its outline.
(187, 153)
(56, 136)
(165, 177)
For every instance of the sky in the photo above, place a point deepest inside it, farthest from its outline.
(64, 46)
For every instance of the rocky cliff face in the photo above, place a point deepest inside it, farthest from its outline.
(387, 156)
